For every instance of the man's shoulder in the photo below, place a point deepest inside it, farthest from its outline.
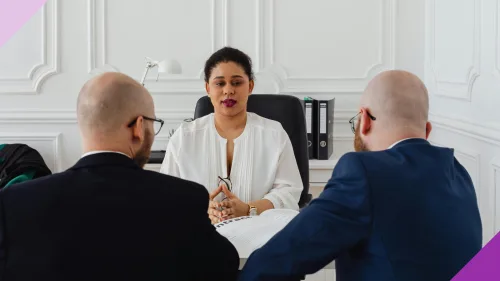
(400, 161)
(369, 161)
(174, 183)
(39, 185)
(177, 190)
(412, 152)
(149, 180)
(348, 164)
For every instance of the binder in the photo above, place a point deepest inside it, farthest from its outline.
(324, 129)
(310, 112)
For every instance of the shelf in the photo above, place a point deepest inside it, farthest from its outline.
(322, 164)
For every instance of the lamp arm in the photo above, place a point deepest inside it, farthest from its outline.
(145, 73)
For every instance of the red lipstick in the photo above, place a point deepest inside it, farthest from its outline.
(229, 102)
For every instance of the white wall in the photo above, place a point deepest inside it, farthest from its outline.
(462, 71)
(321, 48)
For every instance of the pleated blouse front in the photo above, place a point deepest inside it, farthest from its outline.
(263, 166)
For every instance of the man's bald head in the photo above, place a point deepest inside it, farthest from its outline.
(394, 106)
(109, 101)
(399, 99)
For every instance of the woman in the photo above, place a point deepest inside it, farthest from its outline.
(245, 161)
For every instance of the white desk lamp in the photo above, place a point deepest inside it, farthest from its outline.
(164, 66)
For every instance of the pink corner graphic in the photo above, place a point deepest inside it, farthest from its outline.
(14, 14)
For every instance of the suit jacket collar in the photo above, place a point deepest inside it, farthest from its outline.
(105, 159)
(409, 141)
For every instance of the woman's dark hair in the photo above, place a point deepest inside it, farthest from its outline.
(228, 54)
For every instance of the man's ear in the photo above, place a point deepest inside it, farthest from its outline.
(365, 122)
(138, 129)
(428, 129)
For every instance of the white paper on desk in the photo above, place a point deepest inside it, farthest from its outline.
(250, 233)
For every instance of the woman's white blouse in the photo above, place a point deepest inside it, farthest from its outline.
(263, 166)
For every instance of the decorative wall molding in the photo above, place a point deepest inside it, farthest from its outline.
(476, 131)
(472, 158)
(37, 116)
(337, 84)
(258, 12)
(49, 65)
(264, 63)
(495, 193)
(28, 138)
(460, 89)
(97, 41)
(98, 50)
(225, 21)
(497, 39)
(61, 116)
(57, 116)
(488, 193)
(259, 35)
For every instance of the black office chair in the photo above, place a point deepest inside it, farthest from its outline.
(289, 111)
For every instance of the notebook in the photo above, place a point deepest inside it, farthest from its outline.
(250, 233)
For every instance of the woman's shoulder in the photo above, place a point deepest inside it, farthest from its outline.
(194, 125)
(188, 128)
(266, 123)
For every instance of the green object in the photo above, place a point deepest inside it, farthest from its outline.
(1, 146)
(21, 178)
(307, 98)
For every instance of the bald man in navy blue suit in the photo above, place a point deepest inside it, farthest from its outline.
(398, 208)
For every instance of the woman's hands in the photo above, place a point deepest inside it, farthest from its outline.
(232, 206)
(214, 212)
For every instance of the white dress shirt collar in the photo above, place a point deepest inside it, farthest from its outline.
(103, 151)
(398, 142)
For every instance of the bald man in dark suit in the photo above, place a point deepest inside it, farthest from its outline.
(106, 218)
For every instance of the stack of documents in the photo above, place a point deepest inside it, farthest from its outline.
(250, 233)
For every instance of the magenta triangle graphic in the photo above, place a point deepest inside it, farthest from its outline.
(485, 266)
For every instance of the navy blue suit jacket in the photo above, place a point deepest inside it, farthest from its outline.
(408, 213)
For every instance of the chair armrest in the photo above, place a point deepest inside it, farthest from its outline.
(306, 202)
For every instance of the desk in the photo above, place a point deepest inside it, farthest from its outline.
(325, 274)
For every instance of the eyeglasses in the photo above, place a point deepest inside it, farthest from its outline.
(353, 119)
(228, 183)
(158, 123)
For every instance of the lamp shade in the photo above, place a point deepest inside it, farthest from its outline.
(169, 67)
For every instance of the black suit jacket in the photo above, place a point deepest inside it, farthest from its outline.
(107, 219)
